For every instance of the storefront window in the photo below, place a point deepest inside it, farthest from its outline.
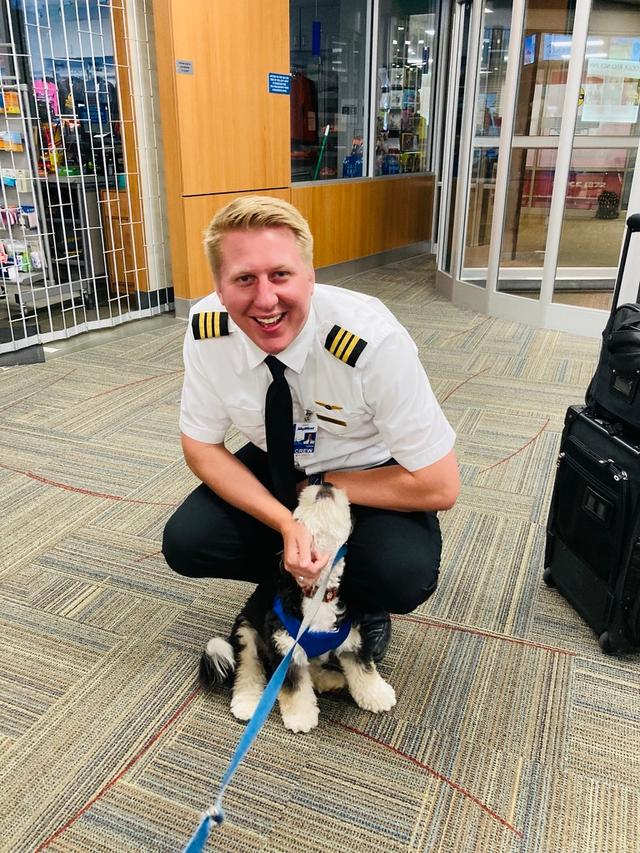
(404, 86)
(328, 86)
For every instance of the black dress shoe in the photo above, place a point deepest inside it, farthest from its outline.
(376, 632)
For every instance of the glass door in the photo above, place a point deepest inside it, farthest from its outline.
(544, 136)
(494, 45)
(453, 128)
(539, 109)
(604, 151)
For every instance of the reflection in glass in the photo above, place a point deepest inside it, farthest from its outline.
(479, 214)
(404, 86)
(531, 176)
(528, 201)
(596, 208)
(454, 163)
(493, 68)
(488, 120)
(599, 185)
(328, 116)
(611, 74)
(543, 71)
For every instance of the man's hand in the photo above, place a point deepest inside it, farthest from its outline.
(300, 558)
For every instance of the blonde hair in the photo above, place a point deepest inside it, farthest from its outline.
(250, 213)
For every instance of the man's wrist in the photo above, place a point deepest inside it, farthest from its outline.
(316, 479)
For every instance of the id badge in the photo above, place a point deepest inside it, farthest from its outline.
(304, 439)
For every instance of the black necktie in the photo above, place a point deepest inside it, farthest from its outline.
(278, 421)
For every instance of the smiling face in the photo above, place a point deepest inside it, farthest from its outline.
(265, 285)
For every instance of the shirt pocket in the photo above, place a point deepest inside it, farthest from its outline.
(351, 423)
(250, 422)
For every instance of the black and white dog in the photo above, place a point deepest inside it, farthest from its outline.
(259, 639)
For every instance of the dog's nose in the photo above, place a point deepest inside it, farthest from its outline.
(325, 491)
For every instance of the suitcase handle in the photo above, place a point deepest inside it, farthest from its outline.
(633, 227)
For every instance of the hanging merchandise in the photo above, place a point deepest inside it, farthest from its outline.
(11, 140)
(47, 91)
(9, 103)
(352, 163)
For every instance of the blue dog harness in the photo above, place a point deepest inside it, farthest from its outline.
(314, 643)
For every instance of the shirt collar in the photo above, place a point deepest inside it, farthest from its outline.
(295, 355)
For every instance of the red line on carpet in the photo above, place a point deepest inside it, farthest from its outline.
(147, 557)
(130, 384)
(433, 772)
(404, 617)
(464, 382)
(39, 391)
(121, 773)
(68, 488)
(520, 449)
(467, 331)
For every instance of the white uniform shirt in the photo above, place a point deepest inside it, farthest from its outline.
(380, 408)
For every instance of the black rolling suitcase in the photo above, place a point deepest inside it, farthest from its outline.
(614, 392)
(593, 533)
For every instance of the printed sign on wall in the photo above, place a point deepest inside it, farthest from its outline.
(279, 84)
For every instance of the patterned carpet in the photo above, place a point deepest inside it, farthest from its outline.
(512, 732)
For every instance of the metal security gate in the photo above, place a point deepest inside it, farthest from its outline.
(82, 231)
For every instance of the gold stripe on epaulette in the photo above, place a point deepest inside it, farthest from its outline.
(345, 345)
(210, 324)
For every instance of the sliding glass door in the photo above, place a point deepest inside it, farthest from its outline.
(549, 158)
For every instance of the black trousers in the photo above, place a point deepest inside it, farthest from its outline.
(392, 557)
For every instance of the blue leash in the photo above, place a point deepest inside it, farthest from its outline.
(215, 814)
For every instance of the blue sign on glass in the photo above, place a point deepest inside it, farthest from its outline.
(280, 84)
(316, 36)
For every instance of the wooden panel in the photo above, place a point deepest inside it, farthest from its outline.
(115, 203)
(199, 210)
(233, 134)
(348, 221)
(353, 220)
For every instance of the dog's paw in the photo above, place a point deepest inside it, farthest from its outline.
(243, 705)
(300, 719)
(377, 697)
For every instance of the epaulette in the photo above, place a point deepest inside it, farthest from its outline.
(345, 345)
(210, 324)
